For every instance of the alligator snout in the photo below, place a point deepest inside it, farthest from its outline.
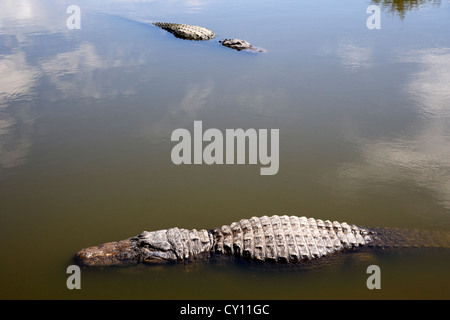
(108, 254)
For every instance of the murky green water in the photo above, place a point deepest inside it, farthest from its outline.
(86, 118)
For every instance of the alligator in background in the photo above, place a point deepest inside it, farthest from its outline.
(197, 33)
(276, 239)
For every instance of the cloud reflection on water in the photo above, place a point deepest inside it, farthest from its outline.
(354, 56)
(424, 157)
(68, 68)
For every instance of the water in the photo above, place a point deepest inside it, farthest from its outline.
(86, 118)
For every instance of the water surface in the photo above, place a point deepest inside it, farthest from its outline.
(86, 118)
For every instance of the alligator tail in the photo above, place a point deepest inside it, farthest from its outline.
(408, 238)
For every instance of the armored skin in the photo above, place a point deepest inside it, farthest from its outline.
(276, 239)
(185, 31)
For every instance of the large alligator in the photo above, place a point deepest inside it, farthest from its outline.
(277, 239)
(197, 33)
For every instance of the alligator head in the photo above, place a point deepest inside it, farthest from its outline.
(147, 247)
(239, 45)
(109, 254)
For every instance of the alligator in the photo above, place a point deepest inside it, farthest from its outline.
(197, 33)
(276, 239)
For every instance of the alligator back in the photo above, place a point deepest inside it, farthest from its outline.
(185, 31)
(286, 239)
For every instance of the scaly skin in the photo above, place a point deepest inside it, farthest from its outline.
(278, 239)
(185, 31)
